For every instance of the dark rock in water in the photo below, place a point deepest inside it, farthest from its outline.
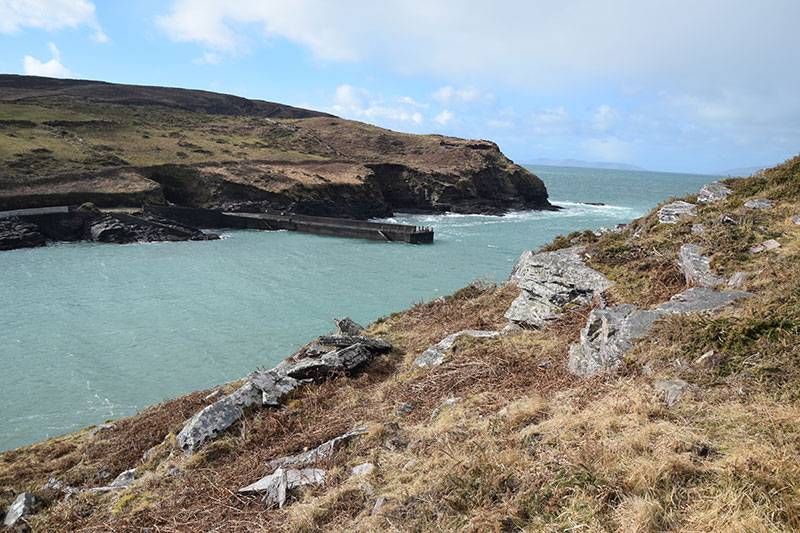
(16, 233)
(347, 326)
(123, 229)
(18, 510)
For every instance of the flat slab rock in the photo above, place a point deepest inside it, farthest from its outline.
(610, 332)
(549, 281)
(713, 192)
(758, 203)
(673, 212)
(696, 267)
(435, 355)
(321, 452)
(18, 510)
(276, 486)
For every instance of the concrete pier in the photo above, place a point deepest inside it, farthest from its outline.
(334, 227)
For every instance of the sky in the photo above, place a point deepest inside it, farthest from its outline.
(675, 85)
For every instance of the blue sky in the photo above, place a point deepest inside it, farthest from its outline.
(696, 86)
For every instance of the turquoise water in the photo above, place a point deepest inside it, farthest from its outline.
(90, 332)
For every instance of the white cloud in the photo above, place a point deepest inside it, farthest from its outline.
(499, 124)
(407, 100)
(208, 58)
(608, 149)
(49, 15)
(448, 94)
(358, 103)
(551, 121)
(51, 69)
(604, 117)
(443, 118)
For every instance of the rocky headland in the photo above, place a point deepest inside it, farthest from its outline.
(643, 378)
(68, 142)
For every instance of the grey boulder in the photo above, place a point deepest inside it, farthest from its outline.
(712, 192)
(758, 203)
(696, 267)
(671, 390)
(549, 281)
(18, 510)
(765, 246)
(321, 452)
(347, 326)
(435, 355)
(610, 332)
(276, 486)
(672, 212)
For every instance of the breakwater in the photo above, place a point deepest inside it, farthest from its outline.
(328, 226)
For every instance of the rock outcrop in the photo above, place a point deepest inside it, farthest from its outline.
(435, 355)
(713, 192)
(271, 387)
(320, 453)
(276, 486)
(16, 233)
(696, 267)
(18, 510)
(610, 332)
(758, 203)
(549, 282)
(674, 211)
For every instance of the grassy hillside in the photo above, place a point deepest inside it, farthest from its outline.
(58, 137)
(500, 437)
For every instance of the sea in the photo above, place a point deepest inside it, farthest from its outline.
(93, 332)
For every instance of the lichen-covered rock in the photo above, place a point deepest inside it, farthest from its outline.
(347, 326)
(610, 332)
(712, 192)
(18, 510)
(122, 481)
(696, 267)
(765, 246)
(670, 390)
(758, 203)
(435, 355)
(343, 341)
(672, 212)
(275, 486)
(321, 452)
(549, 281)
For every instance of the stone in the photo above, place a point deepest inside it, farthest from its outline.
(549, 281)
(610, 332)
(276, 485)
(737, 280)
(765, 246)
(796, 220)
(511, 329)
(404, 409)
(343, 341)
(16, 233)
(122, 481)
(364, 469)
(728, 220)
(267, 388)
(435, 355)
(696, 267)
(379, 503)
(712, 192)
(698, 229)
(347, 326)
(18, 510)
(708, 359)
(321, 452)
(700, 299)
(671, 390)
(674, 211)
(758, 203)
(449, 402)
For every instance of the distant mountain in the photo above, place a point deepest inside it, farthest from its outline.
(582, 164)
(742, 171)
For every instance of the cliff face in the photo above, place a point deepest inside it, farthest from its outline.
(68, 141)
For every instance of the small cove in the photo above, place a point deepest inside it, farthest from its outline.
(91, 332)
